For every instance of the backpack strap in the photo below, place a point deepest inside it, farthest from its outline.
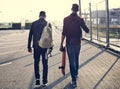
(47, 24)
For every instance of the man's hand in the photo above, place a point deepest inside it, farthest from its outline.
(62, 48)
(29, 50)
(61, 45)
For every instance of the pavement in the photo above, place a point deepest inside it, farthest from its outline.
(99, 67)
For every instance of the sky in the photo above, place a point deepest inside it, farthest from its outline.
(21, 10)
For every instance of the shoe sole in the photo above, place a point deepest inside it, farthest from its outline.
(73, 85)
(44, 85)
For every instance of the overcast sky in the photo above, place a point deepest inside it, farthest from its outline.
(17, 10)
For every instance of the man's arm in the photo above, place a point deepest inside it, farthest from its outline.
(30, 39)
(84, 26)
(63, 36)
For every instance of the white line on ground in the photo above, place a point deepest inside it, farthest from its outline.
(5, 64)
(11, 51)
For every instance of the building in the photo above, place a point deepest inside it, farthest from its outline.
(100, 16)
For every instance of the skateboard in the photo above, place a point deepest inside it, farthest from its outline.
(62, 67)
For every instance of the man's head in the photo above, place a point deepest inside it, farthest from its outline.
(75, 8)
(42, 14)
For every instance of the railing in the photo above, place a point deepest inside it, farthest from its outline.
(103, 20)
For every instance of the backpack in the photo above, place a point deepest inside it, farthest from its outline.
(46, 40)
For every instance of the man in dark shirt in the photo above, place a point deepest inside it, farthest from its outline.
(35, 34)
(72, 25)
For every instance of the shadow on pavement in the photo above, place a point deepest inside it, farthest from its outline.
(68, 86)
(15, 58)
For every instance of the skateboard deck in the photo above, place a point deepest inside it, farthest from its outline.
(62, 67)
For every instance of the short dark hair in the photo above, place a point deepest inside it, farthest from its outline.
(42, 13)
(75, 7)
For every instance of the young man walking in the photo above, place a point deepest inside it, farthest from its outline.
(72, 31)
(35, 34)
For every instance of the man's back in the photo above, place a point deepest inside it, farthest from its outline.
(36, 31)
(72, 29)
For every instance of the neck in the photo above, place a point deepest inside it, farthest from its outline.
(74, 12)
(42, 17)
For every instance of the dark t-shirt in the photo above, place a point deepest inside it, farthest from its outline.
(72, 29)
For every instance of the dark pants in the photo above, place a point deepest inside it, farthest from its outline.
(37, 53)
(73, 55)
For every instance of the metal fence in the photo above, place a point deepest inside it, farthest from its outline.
(103, 20)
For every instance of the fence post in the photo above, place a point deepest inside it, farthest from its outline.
(97, 23)
(107, 24)
(80, 7)
(90, 22)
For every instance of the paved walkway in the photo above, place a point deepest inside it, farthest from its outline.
(99, 69)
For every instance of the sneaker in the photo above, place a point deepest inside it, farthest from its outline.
(44, 85)
(74, 84)
(37, 82)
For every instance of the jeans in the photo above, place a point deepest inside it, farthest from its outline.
(37, 53)
(73, 55)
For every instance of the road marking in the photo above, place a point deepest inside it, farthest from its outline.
(12, 51)
(5, 64)
(11, 45)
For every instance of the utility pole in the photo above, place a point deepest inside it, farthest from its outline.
(80, 7)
